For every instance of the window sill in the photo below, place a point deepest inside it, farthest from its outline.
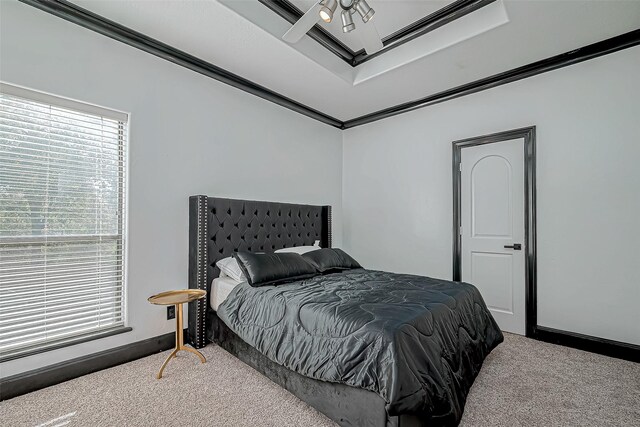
(66, 342)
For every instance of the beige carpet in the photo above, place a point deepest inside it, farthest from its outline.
(523, 383)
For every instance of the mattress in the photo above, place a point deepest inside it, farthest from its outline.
(221, 287)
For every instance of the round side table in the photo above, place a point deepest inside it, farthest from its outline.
(178, 298)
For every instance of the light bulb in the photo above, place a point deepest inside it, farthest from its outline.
(327, 7)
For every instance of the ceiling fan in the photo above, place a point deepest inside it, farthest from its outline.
(325, 9)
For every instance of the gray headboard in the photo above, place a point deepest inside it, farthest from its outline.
(219, 227)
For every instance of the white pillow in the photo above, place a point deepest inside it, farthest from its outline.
(229, 268)
(301, 249)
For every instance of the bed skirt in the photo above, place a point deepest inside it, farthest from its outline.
(346, 405)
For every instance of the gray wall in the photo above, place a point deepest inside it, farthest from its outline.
(192, 135)
(397, 195)
(188, 135)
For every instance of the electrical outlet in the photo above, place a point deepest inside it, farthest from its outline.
(171, 312)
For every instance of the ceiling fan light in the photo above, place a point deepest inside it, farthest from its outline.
(325, 15)
(365, 11)
(327, 7)
(347, 21)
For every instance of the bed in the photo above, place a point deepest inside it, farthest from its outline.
(377, 389)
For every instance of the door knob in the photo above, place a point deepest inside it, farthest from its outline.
(515, 246)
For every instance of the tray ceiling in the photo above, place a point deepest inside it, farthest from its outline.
(500, 36)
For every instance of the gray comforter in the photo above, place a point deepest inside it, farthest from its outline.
(416, 341)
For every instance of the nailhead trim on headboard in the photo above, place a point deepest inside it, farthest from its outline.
(327, 235)
(198, 271)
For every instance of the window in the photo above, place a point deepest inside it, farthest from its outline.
(62, 201)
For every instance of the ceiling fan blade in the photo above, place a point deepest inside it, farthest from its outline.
(303, 25)
(370, 38)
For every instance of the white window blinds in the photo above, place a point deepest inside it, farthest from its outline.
(62, 200)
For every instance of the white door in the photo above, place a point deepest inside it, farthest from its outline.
(492, 208)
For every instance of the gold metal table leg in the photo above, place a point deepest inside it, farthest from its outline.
(166, 361)
(179, 342)
(196, 352)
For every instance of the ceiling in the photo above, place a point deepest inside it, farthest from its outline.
(243, 36)
(488, 14)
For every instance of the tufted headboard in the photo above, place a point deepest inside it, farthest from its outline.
(219, 227)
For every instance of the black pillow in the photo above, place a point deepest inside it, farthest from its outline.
(329, 260)
(273, 269)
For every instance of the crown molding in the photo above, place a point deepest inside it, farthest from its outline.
(101, 25)
(575, 56)
(72, 13)
(437, 19)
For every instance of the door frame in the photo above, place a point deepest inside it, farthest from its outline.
(529, 136)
